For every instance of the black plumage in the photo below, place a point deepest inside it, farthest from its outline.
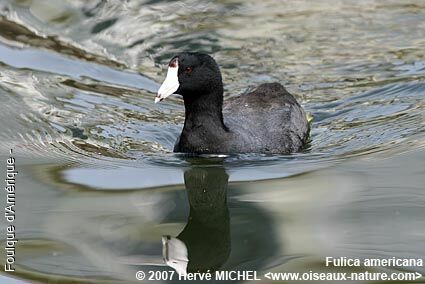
(266, 120)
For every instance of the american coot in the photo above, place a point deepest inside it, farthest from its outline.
(266, 120)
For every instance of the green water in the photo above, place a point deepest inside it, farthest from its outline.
(98, 185)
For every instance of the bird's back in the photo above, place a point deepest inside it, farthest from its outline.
(266, 120)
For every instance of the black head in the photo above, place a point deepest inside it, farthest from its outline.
(191, 75)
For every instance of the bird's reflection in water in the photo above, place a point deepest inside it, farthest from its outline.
(204, 243)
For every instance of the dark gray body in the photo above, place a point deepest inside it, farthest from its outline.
(266, 120)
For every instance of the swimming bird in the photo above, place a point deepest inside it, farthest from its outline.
(266, 120)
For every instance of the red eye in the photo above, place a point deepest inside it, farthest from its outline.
(188, 70)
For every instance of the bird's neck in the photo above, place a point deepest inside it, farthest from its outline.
(205, 111)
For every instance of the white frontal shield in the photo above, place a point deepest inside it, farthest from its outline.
(171, 82)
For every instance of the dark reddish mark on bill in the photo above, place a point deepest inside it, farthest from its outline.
(174, 63)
